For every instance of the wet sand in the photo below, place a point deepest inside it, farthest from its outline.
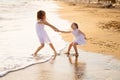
(105, 41)
(88, 66)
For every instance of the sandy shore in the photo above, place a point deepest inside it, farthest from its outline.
(45, 71)
(88, 66)
(105, 41)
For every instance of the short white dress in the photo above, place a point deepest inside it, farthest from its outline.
(78, 38)
(42, 34)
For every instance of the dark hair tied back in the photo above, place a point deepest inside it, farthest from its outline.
(40, 14)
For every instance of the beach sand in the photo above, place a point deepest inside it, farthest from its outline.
(89, 65)
(100, 40)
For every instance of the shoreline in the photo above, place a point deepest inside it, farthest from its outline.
(99, 40)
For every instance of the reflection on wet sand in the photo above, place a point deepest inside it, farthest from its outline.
(62, 68)
(79, 68)
(96, 67)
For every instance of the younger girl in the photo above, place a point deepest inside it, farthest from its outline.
(79, 38)
(41, 33)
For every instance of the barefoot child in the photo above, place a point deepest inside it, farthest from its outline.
(41, 33)
(79, 38)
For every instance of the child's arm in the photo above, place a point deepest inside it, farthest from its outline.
(65, 31)
(50, 25)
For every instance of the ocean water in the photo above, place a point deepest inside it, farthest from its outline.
(18, 40)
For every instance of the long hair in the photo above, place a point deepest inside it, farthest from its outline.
(40, 14)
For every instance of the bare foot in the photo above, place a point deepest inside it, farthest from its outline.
(34, 55)
(67, 53)
(76, 54)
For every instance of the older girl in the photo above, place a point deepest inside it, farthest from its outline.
(41, 33)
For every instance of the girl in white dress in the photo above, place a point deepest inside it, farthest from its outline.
(79, 38)
(41, 33)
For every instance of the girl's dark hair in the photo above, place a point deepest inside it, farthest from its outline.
(40, 14)
(76, 25)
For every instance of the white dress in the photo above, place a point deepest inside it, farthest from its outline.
(42, 34)
(78, 38)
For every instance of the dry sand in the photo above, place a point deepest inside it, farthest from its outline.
(105, 41)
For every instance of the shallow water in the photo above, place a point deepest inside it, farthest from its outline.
(17, 32)
(18, 41)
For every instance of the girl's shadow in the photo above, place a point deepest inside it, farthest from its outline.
(79, 68)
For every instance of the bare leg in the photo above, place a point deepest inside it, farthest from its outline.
(75, 48)
(38, 49)
(69, 48)
(55, 52)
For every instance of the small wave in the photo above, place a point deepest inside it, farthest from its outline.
(2, 18)
(14, 63)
